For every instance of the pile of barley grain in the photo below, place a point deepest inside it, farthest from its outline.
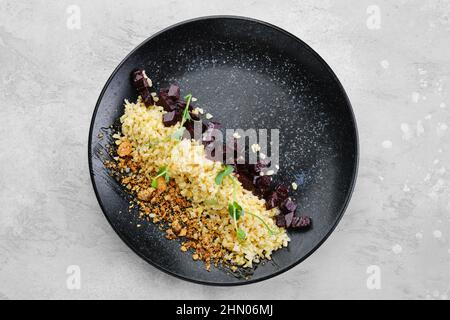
(195, 177)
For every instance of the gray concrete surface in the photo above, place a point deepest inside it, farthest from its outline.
(396, 70)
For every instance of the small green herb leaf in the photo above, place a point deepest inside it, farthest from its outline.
(188, 97)
(231, 210)
(222, 174)
(177, 135)
(186, 115)
(240, 234)
(162, 172)
(235, 210)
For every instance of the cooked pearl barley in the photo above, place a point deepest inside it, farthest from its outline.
(186, 161)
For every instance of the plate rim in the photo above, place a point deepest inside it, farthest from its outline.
(356, 151)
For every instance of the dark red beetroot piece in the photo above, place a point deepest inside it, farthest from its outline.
(289, 221)
(276, 197)
(272, 201)
(248, 173)
(168, 103)
(282, 191)
(190, 126)
(259, 166)
(174, 92)
(247, 182)
(301, 223)
(142, 84)
(289, 218)
(288, 206)
(284, 221)
(262, 184)
(280, 221)
(169, 99)
(171, 118)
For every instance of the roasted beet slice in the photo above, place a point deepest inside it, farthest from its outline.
(284, 221)
(290, 221)
(168, 103)
(272, 201)
(171, 118)
(147, 97)
(259, 166)
(143, 86)
(275, 198)
(280, 221)
(174, 92)
(282, 192)
(289, 217)
(262, 164)
(165, 101)
(301, 223)
(288, 206)
(181, 104)
(191, 125)
(244, 168)
(136, 78)
(246, 181)
(140, 80)
(262, 184)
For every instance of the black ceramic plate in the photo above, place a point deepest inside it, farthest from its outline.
(248, 74)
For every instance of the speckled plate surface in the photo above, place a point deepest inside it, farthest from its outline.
(248, 74)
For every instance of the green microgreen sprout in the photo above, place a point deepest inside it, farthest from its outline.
(185, 117)
(222, 174)
(177, 135)
(234, 208)
(163, 172)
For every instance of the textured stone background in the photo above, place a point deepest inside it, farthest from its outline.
(396, 73)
